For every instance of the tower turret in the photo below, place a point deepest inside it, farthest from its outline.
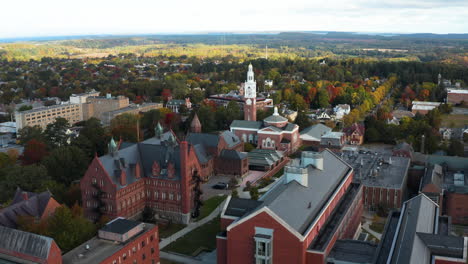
(112, 147)
(158, 130)
(250, 96)
(195, 126)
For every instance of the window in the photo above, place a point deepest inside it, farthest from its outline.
(263, 254)
(151, 238)
(143, 243)
(143, 257)
(152, 250)
(124, 256)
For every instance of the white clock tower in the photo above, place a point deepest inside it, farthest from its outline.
(250, 96)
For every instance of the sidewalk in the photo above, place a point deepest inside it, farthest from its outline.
(366, 227)
(191, 226)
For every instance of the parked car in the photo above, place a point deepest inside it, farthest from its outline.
(221, 186)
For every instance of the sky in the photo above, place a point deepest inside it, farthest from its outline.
(30, 18)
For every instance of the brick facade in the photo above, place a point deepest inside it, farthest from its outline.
(457, 207)
(170, 198)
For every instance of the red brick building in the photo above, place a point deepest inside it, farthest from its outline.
(355, 134)
(275, 132)
(219, 153)
(119, 241)
(403, 150)
(457, 96)
(159, 172)
(298, 220)
(39, 206)
(17, 246)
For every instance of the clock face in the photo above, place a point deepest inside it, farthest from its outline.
(248, 102)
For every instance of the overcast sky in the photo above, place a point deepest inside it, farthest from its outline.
(21, 18)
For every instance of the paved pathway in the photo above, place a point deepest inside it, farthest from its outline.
(366, 227)
(191, 226)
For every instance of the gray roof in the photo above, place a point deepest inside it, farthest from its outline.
(434, 174)
(315, 132)
(264, 157)
(202, 156)
(309, 200)
(30, 244)
(352, 251)
(379, 170)
(239, 207)
(205, 139)
(232, 154)
(230, 138)
(247, 124)
(275, 119)
(145, 154)
(443, 245)
(99, 249)
(403, 146)
(120, 226)
(419, 215)
(34, 206)
(331, 139)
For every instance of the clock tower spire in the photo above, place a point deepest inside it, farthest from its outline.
(250, 96)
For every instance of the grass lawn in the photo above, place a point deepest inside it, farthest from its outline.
(168, 230)
(209, 205)
(202, 237)
(454, 120)
(377, 227)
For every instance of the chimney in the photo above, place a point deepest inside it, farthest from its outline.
(123, 178)
(312, 158)
(137, 171)
(25, 196)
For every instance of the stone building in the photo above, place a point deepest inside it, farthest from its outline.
(96, 106)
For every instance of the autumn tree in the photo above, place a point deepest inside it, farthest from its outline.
(66, 164)
(33, 152)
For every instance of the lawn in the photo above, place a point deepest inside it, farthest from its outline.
(204, 237)
(454, 120)
(377, 227)
(168, 230)
(209, 206)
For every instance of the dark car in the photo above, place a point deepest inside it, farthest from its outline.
(220, 186)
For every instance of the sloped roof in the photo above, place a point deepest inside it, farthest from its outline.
(264, 157)
(418, 216)
(315, 132)
(26, 243)
(230, 138)
(205, 139)
(34, 206)
(195, 121)
(246, 124)
(202, 156)
(434, 175)
(232, 154)
(298, 205)
(403, 146)
(355, 127)
(239, 207)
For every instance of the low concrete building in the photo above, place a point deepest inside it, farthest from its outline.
(423, 107)
(47, 115)
(312, 135)
(383, 177)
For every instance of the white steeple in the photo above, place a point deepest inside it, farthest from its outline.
(250, 84)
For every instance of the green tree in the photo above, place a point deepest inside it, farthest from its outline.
(323, 99)
(55, 133)
(92, 138)
(456, 148)
(25, 108)
(27, 133)
(69, 228)
(66, 164)
(302, 120)
(125, 127)
(30, 178)
(207, 118)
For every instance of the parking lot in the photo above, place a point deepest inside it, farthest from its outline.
(208, 190)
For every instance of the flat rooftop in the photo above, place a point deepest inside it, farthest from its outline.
(352, 251)
(378, 170)
(99, 249)
(132, 107)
